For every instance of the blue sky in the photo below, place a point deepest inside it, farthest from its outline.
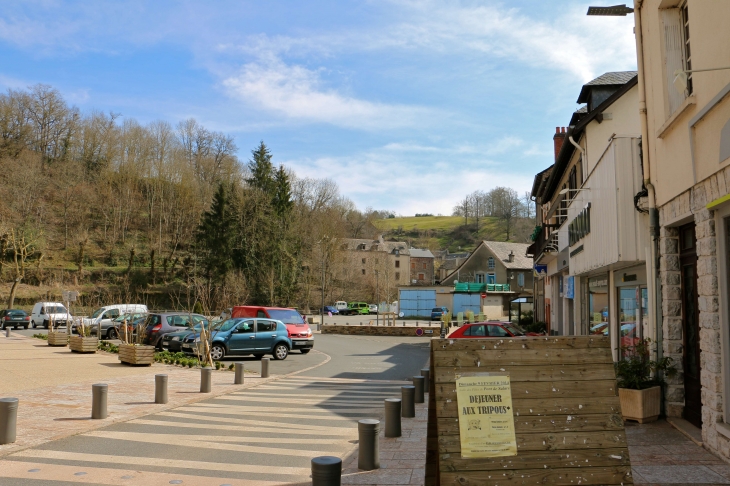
(408, 105)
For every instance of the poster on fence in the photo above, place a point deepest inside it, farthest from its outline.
(486, 422)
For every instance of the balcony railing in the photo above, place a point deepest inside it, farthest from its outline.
(464, 287)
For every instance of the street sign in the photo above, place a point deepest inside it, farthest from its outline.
(419, 331)
(69, 295)
(484, 295)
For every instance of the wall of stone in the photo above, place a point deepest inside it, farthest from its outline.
(672, 317)
(428, 331)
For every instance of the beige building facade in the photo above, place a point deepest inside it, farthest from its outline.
(685, 109)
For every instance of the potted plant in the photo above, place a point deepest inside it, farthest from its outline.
(56, 338)
(640, 380)
(132, 350)
(83, 342)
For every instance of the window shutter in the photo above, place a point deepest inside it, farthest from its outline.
(674, 52)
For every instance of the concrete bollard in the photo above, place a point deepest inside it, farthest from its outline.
(368, 455)
(7, 332)
(408, 406)
(264, 367)
(425, 373)
(326, 471)
(160, 388)
(392, 417)
(238, 380)
(8, 420)
(206, 376)
(99, 394)
(418, 383)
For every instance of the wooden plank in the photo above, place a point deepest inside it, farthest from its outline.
(548, 423)
(533, 372)
(536, 342)
(481, 358)
(544, 406)
(549, 441)
(532, 459)
(587, 476)
(546, 389)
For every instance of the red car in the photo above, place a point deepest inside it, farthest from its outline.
(493, 329)
(299, 331)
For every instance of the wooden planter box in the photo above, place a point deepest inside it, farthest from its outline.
(83, 344)
(136, 354)
(57, 338)
(640, 405)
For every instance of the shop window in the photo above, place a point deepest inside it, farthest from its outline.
(598, 305)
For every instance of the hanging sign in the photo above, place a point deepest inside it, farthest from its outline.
(486, 422)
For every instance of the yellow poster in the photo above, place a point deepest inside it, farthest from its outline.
(486, 422)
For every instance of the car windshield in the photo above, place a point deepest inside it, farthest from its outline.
(97, 312)
(227, 325)
(17, 313)
(286, 316)
(55, 310)
(437, 309)
(514, 329)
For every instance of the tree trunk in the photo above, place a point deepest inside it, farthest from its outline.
(131, 260)
(152, 265)
(13, 289)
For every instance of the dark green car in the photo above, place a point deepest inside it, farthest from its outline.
(173, 341)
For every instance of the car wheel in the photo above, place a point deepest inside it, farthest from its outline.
(45, 324)
(305, 351)
(280, 351)
(26, 326)
(111, 333)
(217, 352)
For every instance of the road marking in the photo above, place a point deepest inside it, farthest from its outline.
(163, 462)
(256, 408)
(315, 429)
(311, 414)
(233, 428)
(143, 436)
(308, 401)
(169, 439)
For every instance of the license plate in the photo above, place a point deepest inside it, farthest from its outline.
(186, 346)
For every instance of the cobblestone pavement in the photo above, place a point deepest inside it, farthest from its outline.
(661, 455)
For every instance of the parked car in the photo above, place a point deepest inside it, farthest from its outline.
(487, 330)
(157, 324)
(328, 309)
(373, 308)
(173, 341)
(354, 308)
(14, 318)
(104, 317)
(340, 305)
(45, 312)
(437, 312)
(133, 320)
(298, 329)
(244, 336)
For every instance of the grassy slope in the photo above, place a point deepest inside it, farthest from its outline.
(440, 232)
(409, 223)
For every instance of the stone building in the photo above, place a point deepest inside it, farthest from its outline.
(422, 267)
(374, 268)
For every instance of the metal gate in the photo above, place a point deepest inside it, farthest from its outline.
(467, 302)
(417, 303)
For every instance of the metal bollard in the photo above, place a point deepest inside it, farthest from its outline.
(408, 406)
(326, 471)
(238, 380)
(392, 417)
(7, 332)
(99, 393)
(264, 367)
(368, 456)
(425, 373)
(418, 383)
(160, 388)
(206, 376)
(8, 420)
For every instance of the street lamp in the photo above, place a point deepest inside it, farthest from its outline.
(614, 11)
(377, 298)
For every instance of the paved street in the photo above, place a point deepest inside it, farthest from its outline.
(261, 435)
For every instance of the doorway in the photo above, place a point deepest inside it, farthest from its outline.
(690, 325)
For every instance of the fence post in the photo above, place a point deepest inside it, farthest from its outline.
(418, 382)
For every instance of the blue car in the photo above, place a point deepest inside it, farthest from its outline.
(437, 312)
(241, 336)
(329, 309)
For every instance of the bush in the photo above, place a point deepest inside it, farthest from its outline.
(198, 308)
(636, 368)
(218, 365)
(41, 336)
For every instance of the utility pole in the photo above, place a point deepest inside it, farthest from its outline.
(377, 298)
(321, 309)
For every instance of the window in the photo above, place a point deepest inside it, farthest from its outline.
(265, 326)
(413, 265)
(245, 327)
(363, 271)
(521, 279)
(490, 263)
(677, 54)
(481, 278)
(497, 331)
(421, 276)
(397, 264)
(178, 321)
(425, 266)
(684, 16)
(491, 278)
(397, 275)
(112, 313)
(475, 331)
(364, 260)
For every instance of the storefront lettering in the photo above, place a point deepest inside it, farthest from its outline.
(580, 226)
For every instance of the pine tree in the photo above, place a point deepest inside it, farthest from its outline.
(216, 235)
(282, 201)
(262, 170)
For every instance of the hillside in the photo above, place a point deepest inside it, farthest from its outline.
(449, 232)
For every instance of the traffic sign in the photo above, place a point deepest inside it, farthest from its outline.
(419, 331)
(484, 295)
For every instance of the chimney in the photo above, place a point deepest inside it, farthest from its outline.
(558, 140)
(511, 257)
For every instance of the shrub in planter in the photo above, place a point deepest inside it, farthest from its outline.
(640, 380)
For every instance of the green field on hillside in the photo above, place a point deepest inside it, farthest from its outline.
(409, 223)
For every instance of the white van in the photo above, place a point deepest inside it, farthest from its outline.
(105, 316)
(44, 312)
(340, 304)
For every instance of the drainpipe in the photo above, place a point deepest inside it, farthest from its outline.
(653, 211)
(580, 149)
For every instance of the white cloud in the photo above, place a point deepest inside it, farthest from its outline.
(297, 93)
